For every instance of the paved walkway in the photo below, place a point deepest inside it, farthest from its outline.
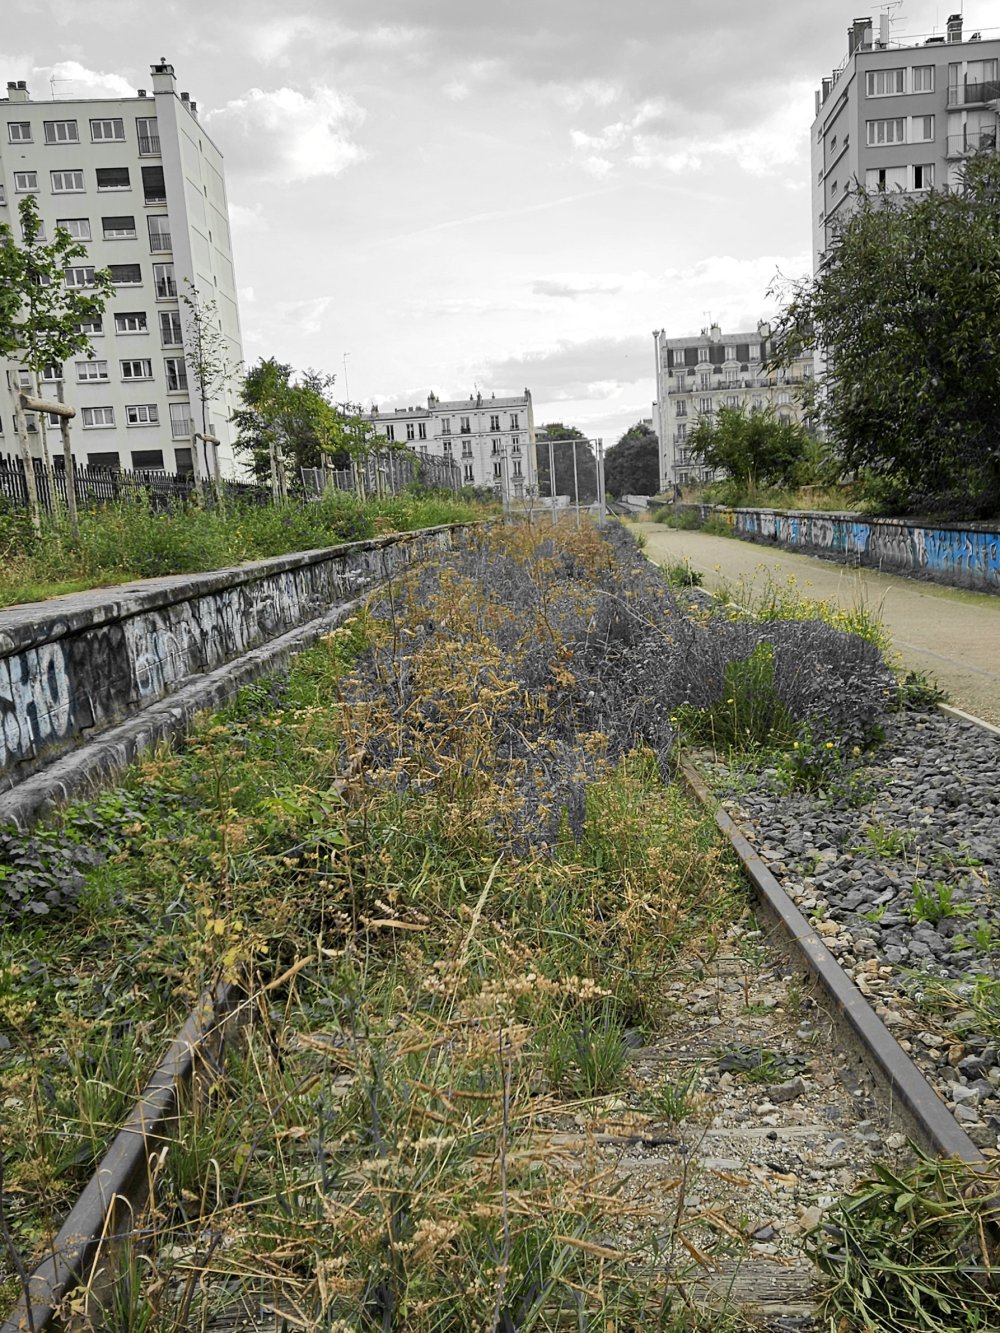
(951, 635)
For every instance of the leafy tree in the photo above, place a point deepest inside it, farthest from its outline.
(42, 318)
(207, 353)
(755, 448)
(907, 310)
(568, 440)
(632, 466)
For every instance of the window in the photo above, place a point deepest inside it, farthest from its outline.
(704, 405)
(52, 374)
(137, 370)
(87, 372)
(495, 422)
(923, 129)
(107, 131)
(66, 182)
(682, 409)
(682, 432)
(159, 232)
(25, 181)
(517, 468)
(19, 131)
(97, 416)
(885, 82)
(92, 327)
(151, 459)
(446, 446)
(467, 474)
(148, 134)
(3, 196)
(181, 422)
(705, 380)
(885, 178)
(182, 460)
(446, 425)
(515, 421)
(82, 276)
(153, 185)
(125, 275)
(732, 400)
(498, 470)
(923, 177)
(164, 282)
(390, 434)
(833, 191)
(113, 178)
(133, 321)
(784, 397)
(175, 370)
(494, 447)
(119, 228)
(464, 426)
(886, 131)
(466, 448)
(40, 235)
(422, 430)
(515, 447)
(78, 228)
(409, 430)
(110, 461)
(61, 131)
(923, 79)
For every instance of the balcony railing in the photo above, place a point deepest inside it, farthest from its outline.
(160, 241)
(156, 196)
(971, 141)
(165, 290)
(964, 94)
(181, 428)
(149, 145)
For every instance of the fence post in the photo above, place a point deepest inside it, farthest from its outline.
(69, 471)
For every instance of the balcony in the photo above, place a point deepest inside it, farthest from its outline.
(181, 428)
(971, 141)
(160, 241)
(149, 145)
(970, 93)
(166, 289)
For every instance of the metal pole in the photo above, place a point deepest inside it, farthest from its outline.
(576, 487)
(505, 481)
(552, 480)
(602, 507)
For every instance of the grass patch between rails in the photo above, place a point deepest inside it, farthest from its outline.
(475, 928)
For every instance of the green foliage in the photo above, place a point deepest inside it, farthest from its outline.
(913, 1251)
(679, 574)
(755, 448)
(907, 309)
(573, 441)
(632, 466)
(934, 902)
(918, 692)
(206, 349)
(749, 716)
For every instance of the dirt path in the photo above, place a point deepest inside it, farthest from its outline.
(952, 635)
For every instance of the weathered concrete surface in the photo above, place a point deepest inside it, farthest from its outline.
(74, 667)
(949, 633)
(962, 555)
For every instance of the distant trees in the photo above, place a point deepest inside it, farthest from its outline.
(285, 425)
(632, 466)
(907, 310)
(755, 448)
(567, 442)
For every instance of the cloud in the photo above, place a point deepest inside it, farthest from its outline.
(571, 371)
(69, 78)
(287, 135)
(573, 286)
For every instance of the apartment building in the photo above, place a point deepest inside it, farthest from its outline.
(695, 376)
(491, 439)
(141, 185)
(900, 117)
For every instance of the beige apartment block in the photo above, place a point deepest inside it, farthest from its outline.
(900, 117)
(697, 375)
(141, 185)
(491, 439)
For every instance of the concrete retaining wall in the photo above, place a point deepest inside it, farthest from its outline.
(76, 667)
(965, 555)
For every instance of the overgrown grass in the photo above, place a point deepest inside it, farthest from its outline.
(130, 540)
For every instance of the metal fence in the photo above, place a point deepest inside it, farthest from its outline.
(101, 485)
(386, 472)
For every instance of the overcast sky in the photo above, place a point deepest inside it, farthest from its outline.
(452, 193)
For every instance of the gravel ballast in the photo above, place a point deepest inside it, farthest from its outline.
(897, 868)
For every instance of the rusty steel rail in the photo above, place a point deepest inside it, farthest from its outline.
(931, 1121)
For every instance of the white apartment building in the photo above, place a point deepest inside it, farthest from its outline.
(900, 117)
(140, 184)
(695, 376)
(491, 439)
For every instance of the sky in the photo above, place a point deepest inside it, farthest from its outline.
(452, 195)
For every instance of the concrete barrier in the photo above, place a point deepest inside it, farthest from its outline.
(964, 555)
(82, 667)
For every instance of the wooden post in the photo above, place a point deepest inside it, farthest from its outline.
(29, 468)
(69, 469)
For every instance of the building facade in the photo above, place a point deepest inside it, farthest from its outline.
(491, 439)
(898, 117)
(141, 185)
(695, 376)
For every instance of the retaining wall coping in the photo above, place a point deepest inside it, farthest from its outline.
(32, 623)
(850, 515)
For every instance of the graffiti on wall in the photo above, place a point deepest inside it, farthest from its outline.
(78, 677)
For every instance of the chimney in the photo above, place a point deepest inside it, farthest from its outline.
(185, 97)
(954, 27)
(142, 92)
(194, 109)
(827, 85)
(715, 333)
(859, 35)
(17, 92)
(163, 77)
